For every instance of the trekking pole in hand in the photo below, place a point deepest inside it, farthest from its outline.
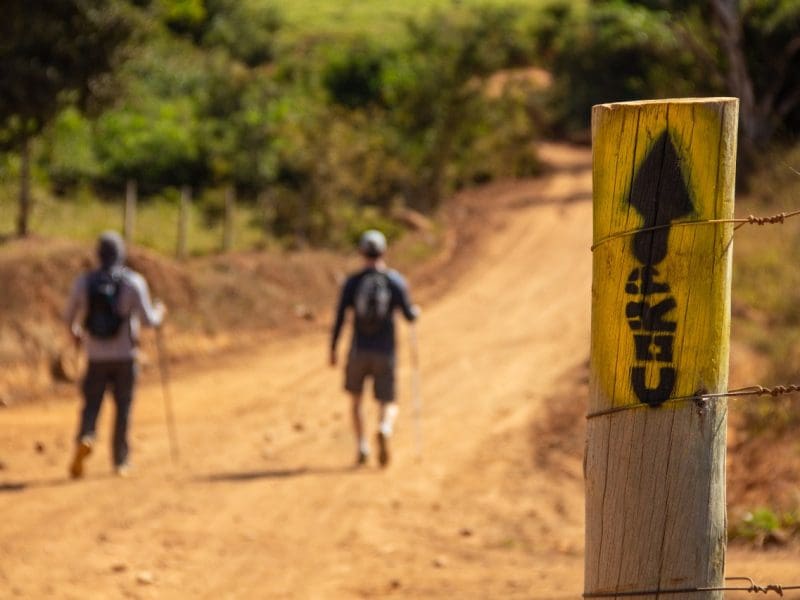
(163, 368)
(416, 389)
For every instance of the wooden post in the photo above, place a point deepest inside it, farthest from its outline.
(183, 221)
(266, 210)
(129, 217)
(24, 216)
(230, 206)
(655, 467)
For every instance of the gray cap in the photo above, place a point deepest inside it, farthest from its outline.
(372, 243)
(110, 249)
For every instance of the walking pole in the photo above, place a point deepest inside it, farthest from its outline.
(163, 369)
(416, 389)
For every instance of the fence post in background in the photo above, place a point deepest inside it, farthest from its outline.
(266, 213)
(129, 216)
(230, 208)
(25, 202)
(183, 221)
(654, 466)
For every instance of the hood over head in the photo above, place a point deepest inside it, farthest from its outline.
(110, 250)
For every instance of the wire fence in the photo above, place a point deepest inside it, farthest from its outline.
(701, 400)
(777, 219)
(752, 587)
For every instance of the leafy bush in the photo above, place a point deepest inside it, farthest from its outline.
(69, 153)
(246, 28)
(155, 144)
(435, 91)
(613, 52)
(352, 73)
(763, 526)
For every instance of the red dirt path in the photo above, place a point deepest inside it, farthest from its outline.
(264, 503)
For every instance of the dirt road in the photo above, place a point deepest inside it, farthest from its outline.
(265, 504)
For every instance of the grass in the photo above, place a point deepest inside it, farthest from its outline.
(766, 285)
(764, 525)
(82, 217)
(382, 18)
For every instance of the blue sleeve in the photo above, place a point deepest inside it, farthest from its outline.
(345, 300)
(403, 296)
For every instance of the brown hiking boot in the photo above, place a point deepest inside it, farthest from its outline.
(383, 449)
(83, 450)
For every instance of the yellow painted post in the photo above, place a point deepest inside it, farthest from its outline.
(655, 458)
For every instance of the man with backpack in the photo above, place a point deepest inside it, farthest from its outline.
(373, 293)
(106, 309)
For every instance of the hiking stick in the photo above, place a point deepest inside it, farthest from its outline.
(416, 389)
(163, 369)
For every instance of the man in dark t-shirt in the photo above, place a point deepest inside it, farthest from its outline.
(372, 294)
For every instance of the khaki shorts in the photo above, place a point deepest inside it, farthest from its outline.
(364, 363)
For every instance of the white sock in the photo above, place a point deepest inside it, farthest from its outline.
(363, 446)
(389, 413)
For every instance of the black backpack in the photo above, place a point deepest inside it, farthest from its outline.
(102, 318)
(373, 302)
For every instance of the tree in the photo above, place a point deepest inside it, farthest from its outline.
(53, 53)
(747, 49)
(435, 88)
(761, 48)
(614, 52)
(753, 47)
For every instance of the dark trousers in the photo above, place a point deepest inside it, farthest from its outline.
(120, 375)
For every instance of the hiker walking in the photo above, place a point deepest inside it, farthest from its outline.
(105, 311)
(373, 293)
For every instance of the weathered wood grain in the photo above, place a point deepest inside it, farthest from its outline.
(655, 475)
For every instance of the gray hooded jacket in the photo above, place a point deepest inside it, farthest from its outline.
(134, 304)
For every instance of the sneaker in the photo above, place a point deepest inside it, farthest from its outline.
(83, 450)
(383, 449)
(123, 470)
(361, 458)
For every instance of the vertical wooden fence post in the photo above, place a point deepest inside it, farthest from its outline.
(183, 221)
(129, 217)
(265, 208)
(230, 207)
(655, 460)
(24, 216)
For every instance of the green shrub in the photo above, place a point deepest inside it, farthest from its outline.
(613, 52)
(69, 154)
(763, 525)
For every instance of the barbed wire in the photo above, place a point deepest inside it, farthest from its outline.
(779, 218)
(701, 398)
(752, 588)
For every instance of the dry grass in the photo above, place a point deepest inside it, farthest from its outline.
(766, 286)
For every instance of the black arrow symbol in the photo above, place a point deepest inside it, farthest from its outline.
(660, 195)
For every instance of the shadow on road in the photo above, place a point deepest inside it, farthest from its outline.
(278, 473)
(19, 486)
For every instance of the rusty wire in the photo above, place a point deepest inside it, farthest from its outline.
(701, 398)
(779, 218)
(752, 588)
